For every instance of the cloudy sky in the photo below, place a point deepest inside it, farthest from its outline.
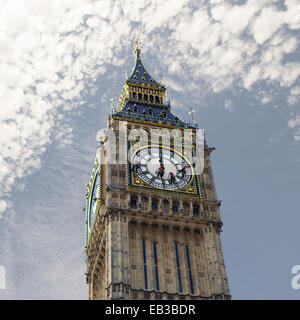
(236, 62)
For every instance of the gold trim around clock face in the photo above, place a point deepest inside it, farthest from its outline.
(137, 181)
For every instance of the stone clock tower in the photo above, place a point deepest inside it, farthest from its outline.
(152, 218)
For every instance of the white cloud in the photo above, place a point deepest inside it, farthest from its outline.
(49, 52)
(3, 206)
(234, 19)
(229, 105)
(253, 75)
(294, 96)
(158, 13)
(266, 100)
(294, 122)
(293, 13)
(266, 24)
(173, 84)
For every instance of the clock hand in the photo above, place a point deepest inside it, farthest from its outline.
(163, 182)
(160, 172)
(160, 157)
(171, 178)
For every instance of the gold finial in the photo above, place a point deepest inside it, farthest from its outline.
(112, 105)
(192, 112)
(137, 48)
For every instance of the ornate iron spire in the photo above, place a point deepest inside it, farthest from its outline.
(139, 74)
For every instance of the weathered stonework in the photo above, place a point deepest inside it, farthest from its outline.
(137, 250)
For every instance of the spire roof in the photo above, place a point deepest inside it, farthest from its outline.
(145, 100)
(139, 73)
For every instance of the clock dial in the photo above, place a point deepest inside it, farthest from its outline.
(93, 201)
(162, 168)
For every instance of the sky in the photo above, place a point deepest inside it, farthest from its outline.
(237, 63)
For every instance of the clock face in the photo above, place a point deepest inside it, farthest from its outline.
(93, 201)
(162, 168)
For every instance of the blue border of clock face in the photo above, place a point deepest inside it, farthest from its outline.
(162, 154)
(93, 200)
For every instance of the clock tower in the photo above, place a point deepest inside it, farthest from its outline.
(152, 215)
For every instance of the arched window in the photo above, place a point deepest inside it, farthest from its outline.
(154, 204)
(151, 98)
(156, 99)
(196, 210)
(175, 207)
(133, 201)
(140, 96)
